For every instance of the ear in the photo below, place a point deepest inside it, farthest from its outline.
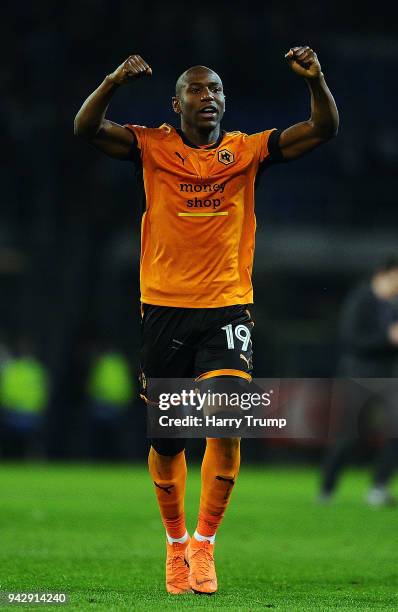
(175, 102)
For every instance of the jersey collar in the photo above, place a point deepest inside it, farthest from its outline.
(188, 143)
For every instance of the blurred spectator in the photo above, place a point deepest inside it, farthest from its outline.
(110, 390)
(24, 390)
(369, 335)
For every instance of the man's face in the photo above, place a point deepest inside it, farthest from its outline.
(201, 101)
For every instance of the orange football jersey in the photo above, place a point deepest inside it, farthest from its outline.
(198, 226)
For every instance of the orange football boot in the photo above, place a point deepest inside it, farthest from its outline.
(202, 572)
(177, 569)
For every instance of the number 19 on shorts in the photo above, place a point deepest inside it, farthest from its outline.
(241, 332)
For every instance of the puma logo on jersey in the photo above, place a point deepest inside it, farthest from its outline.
(180, 157)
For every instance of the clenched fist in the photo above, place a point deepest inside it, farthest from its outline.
(133, 68)
(304, 62)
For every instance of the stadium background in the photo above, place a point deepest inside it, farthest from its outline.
(69, 223)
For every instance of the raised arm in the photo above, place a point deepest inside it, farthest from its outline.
(324, 121)
(90, 122)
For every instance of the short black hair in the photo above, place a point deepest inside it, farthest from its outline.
(181, 79)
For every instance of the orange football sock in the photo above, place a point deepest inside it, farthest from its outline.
(169, 477)
(220, 468)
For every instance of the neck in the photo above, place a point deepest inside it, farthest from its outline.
(200, 137)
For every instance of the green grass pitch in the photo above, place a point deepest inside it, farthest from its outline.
(95, 533)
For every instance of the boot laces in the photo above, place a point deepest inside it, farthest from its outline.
(204, 559)
(176, 562)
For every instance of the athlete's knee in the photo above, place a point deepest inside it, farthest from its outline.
(168, 446)
(227, 447)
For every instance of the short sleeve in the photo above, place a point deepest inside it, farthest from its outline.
(274, 151)
(259, 142)
(140, 133)
(266, 146)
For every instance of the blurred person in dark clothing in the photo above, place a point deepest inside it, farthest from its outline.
(369, 339)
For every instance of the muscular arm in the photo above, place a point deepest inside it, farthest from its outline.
(324, 121)
(90, 122)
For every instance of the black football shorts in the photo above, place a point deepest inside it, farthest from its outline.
(196, 343)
